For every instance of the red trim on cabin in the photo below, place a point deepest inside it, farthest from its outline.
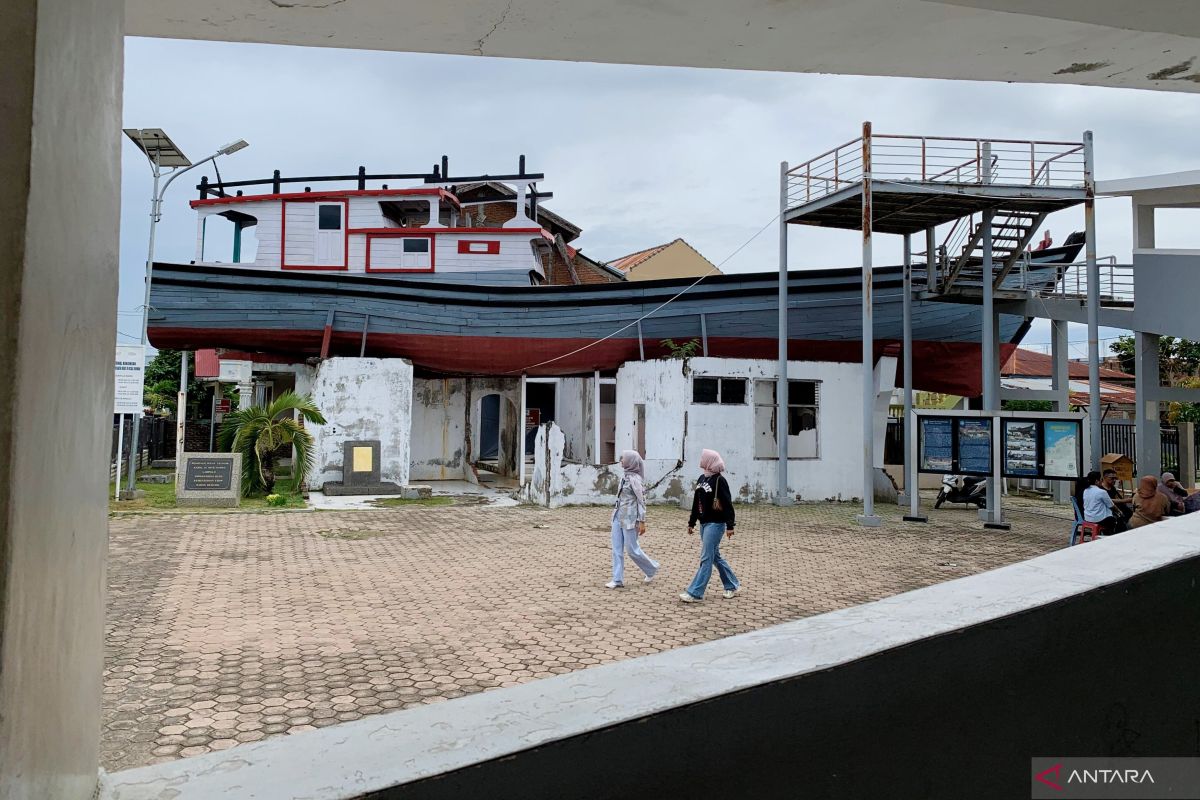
(402, 233)
(439, 231)
(490, 248)
(345, 265)
(327, 195)
(937, 366)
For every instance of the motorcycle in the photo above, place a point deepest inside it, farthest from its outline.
(962, 489)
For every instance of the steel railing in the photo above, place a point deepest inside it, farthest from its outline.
(938, 159)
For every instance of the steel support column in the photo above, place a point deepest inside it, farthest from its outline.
(990, 352)
(912, 488)
(931, 263)
(868, 340)
(1149, 436)
(1093, 299)
(1060, 383)
(782, 496)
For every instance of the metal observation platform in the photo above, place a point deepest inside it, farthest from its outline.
(988, 197)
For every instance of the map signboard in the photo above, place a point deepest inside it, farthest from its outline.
(1061, 441)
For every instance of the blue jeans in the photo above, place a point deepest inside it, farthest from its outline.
(627, 539)
(710, 553)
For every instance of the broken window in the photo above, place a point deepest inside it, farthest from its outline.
(726, 391)
(802, 417)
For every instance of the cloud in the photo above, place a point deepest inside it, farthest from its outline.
(636, 156)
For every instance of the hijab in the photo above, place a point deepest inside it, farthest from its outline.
(632, 463)
(1147, 487)
(711, 463)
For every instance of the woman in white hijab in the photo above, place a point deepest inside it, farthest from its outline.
(629, 522)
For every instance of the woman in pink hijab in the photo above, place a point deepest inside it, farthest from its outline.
(629, 522)
(712, 507)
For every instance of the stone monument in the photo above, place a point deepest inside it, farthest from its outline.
(361, 473)
(210, 479)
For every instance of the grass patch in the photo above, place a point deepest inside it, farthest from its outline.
(161, 497)
(397, 502)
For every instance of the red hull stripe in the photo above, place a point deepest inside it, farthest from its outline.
(949, 367)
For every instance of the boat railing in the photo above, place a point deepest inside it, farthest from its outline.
(1062, 281)
(276, 182)
(938, 160)
(438, 174)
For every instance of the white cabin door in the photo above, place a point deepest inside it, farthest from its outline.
(331, 234)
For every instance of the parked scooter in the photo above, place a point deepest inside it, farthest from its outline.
(962, 489)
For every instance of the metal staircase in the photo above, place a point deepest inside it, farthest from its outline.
(1012, 232)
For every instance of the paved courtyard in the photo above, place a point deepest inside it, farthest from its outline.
(230, 628)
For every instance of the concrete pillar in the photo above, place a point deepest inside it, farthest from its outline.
(1187, 454)
(1149, 447)
(245, 395)
(1060, 383)
(59, 218)
(1143, 226)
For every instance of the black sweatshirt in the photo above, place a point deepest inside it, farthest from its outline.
(702, 502)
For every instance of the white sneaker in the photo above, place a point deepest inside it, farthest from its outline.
(687, 598)
(732, 593)
(614, 585)
(650, 578)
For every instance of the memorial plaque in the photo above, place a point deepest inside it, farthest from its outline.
(208, 474)
(210, 479)
(360, 463)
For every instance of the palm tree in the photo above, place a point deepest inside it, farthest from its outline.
(257, 432)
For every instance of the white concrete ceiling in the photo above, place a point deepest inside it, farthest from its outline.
(1152, 44)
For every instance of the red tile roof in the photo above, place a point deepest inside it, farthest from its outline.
(626, 263)
(1032, 364)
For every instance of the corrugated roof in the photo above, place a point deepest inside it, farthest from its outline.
(1032, 364)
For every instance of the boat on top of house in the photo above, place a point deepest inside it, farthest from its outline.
(474, 276)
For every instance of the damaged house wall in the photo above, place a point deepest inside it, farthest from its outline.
(363, 398)
(447, 423)
(574, 413)
(656, 407)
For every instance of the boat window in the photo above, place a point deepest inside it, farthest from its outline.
(329, 217)
(726, 391)
(416, 245)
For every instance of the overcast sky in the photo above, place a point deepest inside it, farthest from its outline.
(636, 156)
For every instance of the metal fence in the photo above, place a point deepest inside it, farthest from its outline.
(1121, 437)
(156, 435)
(938, 159)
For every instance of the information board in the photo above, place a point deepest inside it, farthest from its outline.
(129, 377)
(1020, 453)
(974, 446)
(937, 444)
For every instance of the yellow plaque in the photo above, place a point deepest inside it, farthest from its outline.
(362, 459)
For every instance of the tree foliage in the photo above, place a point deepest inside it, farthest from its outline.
(1178, 365)
(257, 432)
(1028, 405)
(685, 350)
(161, 389)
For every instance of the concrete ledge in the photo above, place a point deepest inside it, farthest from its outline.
(946, 691)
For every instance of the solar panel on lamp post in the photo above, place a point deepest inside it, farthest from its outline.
(162, 152)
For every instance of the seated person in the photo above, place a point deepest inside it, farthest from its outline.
(1121, 505)
(1149, 504)
(1098, 506)
(1171, 489)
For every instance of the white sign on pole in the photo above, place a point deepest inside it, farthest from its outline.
(130, 375)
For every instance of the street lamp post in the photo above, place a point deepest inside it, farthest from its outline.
(161, 152)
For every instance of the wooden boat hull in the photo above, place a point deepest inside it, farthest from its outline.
(499, 330)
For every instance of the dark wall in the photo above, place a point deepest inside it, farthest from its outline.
(1107, 673)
